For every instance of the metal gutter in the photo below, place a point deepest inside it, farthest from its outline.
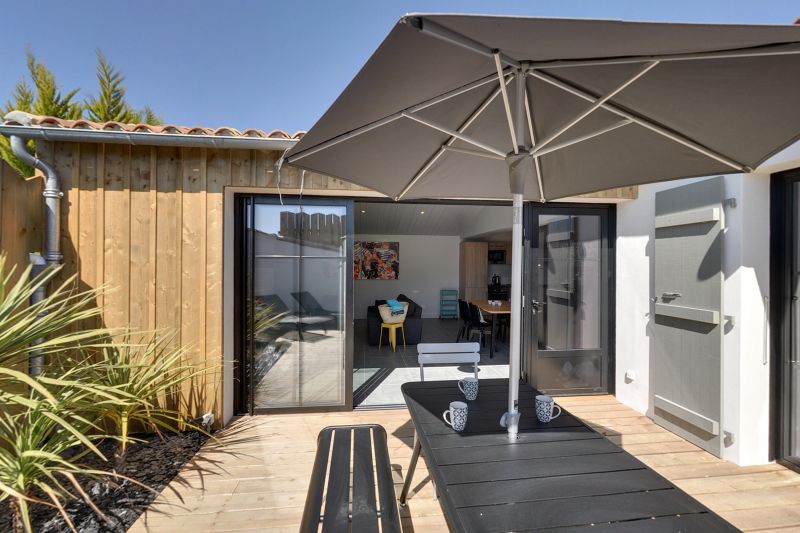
(46, 133)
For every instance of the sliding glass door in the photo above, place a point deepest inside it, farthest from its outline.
(785, 314)
(297, 304)
(568, 298)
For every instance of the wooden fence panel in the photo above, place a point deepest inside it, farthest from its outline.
(142, 239)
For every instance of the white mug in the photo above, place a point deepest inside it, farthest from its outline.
(458, 416)
(544, 409)
(469, 387)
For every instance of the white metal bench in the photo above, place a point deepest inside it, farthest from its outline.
(448, 353)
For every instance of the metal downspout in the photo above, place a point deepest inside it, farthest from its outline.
(52, 251)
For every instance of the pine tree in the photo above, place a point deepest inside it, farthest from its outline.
(148, 116)
(110, 104)
(45, 98)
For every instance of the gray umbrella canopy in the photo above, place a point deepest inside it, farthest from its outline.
(459, 106)
(695, 99)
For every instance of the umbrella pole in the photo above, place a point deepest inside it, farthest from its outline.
(514, 352)
(519, 165)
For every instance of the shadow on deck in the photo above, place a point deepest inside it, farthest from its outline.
(258, 479)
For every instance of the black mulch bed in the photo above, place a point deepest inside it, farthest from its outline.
(154, 463)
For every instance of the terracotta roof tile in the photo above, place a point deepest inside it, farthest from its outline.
(164, 128)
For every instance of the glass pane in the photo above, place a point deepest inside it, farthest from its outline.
(794, 367)
(569, 281)
(299, 304)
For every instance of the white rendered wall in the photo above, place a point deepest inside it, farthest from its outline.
(428, 263)
(746, 265)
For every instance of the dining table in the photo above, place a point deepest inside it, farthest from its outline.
(495, 311)
(561, 475)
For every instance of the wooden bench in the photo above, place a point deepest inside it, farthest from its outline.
(331, 483)
(448, 353)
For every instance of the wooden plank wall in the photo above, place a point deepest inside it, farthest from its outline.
(21, 207)
(148, 223)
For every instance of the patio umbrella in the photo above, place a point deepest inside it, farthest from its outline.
(483, 107)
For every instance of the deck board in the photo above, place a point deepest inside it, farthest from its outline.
(258, 481)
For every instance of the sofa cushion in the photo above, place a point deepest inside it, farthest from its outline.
(413, 307)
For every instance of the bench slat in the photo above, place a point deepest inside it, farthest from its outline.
(390, 519)
(365, 520)
(316, 485)
(445, 358)
(448, 347)
(337, 498)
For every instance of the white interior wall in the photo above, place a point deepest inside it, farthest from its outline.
(428, 263)
(746, 264)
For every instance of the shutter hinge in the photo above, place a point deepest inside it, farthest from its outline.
(729, 202)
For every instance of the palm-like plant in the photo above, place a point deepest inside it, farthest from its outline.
(33, 463)
(49, 320)
(147, 375)
(265, 322)
(43, 416)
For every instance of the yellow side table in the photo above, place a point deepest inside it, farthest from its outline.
(392, 335)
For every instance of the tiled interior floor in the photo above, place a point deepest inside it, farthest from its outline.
(379, 373)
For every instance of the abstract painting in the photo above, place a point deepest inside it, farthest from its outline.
(376, 260)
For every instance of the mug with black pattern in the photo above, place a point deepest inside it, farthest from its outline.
(544, 408)
(458, 416)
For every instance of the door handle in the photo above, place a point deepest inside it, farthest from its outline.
(670, 295)
(537, 305)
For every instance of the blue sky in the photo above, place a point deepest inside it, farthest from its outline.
(248, 63)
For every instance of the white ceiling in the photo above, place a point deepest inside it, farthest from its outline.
(399, 218)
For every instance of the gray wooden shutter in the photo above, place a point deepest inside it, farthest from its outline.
(686, 364)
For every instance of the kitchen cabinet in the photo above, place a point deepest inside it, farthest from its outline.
(504, 246)
(473, 270)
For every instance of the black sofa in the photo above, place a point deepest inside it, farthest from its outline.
(412, 324)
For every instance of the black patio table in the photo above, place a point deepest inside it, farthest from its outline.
(561, 475)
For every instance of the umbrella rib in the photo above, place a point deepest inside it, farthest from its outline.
(596, 104)
(478, 153)
(391, 118)
(775, 50)
(532, 134)
(505, 102)
(559, 146)
(453, 133)
(474, 115)
(644, 122)
(438, 31)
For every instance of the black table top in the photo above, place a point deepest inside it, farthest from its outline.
(561, 475)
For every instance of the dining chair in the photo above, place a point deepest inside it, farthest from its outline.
(478, 325)
(463, 314)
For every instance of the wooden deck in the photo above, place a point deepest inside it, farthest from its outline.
(258, 480)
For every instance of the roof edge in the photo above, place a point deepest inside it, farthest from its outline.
(146, 138)
(31, 126)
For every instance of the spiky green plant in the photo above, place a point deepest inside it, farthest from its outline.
(265, 323)
(148, 374)
(34, 464)
(45, 415)
(22, 323)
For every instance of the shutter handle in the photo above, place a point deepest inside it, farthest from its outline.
(671, 295)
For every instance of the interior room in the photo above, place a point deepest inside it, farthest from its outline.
(427, 257)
